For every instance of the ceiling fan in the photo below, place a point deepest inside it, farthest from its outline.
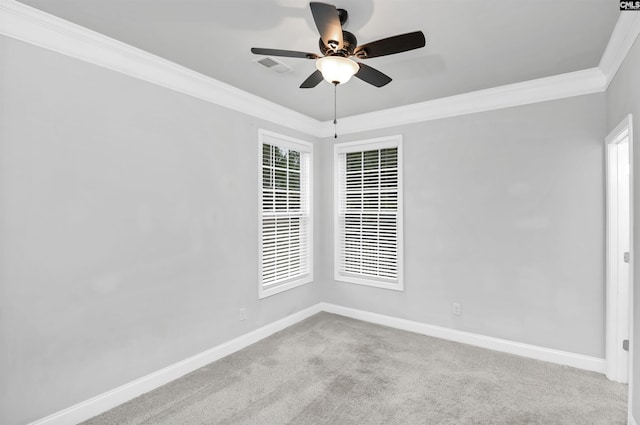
(338, 45)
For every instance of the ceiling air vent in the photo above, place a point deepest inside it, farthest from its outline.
(274, 65)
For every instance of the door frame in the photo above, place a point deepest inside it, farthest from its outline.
(614, 327)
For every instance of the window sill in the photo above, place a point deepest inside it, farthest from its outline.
(274, 289)
(395, 286)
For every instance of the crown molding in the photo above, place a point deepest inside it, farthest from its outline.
(39, 28)
(540, 90)
(624, 35)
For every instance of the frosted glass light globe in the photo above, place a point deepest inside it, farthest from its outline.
(336, 69)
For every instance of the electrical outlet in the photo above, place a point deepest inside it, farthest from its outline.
(456, 309)
(243, 314)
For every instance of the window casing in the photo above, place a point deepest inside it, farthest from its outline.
(368, 213)
(285, 218)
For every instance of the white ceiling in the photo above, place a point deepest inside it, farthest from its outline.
(471, 44)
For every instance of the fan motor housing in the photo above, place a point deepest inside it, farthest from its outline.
(349, 43)
(343, 15)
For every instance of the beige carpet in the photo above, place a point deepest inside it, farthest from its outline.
(333, 370)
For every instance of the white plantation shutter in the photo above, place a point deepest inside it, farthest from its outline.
(369, 219)
(285, 218)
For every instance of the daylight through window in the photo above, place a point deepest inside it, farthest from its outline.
(285, 221)
(368, 216)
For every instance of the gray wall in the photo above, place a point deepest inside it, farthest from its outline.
(128, 227)
(128, 230)
(503, 213)
(623, 97)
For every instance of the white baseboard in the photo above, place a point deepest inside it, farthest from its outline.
(103, 402)
(526, 350)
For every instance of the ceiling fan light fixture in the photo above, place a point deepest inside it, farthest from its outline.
(337, 69)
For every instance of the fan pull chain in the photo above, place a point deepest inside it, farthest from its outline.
(335, 108)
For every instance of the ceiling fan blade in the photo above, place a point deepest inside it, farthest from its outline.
(312, 81)
(389, 46)
(372, 76)
(285, 53)
(328, 23)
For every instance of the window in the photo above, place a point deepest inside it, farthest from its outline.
(368, 219)
(285, 223)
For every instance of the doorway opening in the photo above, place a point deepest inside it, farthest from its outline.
(619, 259)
